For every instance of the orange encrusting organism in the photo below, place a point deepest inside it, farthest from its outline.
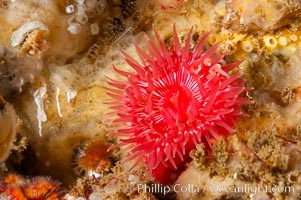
(38, 188)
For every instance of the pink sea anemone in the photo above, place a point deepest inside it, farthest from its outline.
(175, 99)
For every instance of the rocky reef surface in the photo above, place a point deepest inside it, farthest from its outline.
(56, 124)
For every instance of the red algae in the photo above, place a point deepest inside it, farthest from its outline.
(175, 99)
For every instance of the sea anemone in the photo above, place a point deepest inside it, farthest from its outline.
(175, 99)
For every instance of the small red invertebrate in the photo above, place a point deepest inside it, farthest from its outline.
(94, 157)
(174, 100)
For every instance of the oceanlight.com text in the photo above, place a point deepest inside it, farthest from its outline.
(247, 188)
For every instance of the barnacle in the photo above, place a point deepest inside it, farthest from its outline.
(282, 40)
(269, 42)
(247, 45)
(31, 37)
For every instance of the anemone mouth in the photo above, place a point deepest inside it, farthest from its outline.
(175, 106)
(174, 98)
